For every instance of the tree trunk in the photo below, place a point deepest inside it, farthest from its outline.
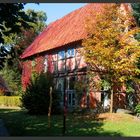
(111, 102)
(49, 110)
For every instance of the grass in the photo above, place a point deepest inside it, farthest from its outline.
(19, 123)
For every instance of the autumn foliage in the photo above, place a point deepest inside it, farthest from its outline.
(110, 49)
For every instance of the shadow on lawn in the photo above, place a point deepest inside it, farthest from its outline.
(19, 123)
(88, 127)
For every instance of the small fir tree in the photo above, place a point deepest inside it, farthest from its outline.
(36, 98)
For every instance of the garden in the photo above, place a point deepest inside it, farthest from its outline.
(19, 123)
(113, 67)
(31, 112)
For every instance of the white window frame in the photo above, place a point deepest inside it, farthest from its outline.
(45, 65)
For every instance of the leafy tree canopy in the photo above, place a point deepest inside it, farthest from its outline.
(136, 12)
(15, 43)
(110, 49)
(12, 18)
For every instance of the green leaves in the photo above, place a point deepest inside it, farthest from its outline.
(36, 97)
(136, 12)
(137, 109)
(12, 17)
(22, 31)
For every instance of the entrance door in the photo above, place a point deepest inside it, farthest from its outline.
(69, 90)
(71, 99)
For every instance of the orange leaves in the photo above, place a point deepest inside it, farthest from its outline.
(110, 45)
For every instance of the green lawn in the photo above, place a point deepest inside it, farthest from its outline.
(19, 123)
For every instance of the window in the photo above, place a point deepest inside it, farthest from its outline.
(70, 53)
(54, 63)
(45, 65)
(61, 55)
(71, 93)
(54, 57)
(71, 98)
(61, 65)
(70, 64)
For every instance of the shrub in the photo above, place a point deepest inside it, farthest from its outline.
(10, 101)
(12, 77)
(80, 88)
(36, 97)
(137, 110)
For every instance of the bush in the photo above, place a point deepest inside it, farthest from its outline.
(137, 110)
(10, 101)
(36, 97)
(12, 77)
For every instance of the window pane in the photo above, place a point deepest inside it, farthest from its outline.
(54, 57)
(55, 66)
(70, 53)
(70, 64)
(61, 65)
(45, 65)
(61, 55)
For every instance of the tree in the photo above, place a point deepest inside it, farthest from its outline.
(110, 49)
(12, 18)
(39, 17)
(15, 43)
(27, 36)
(12, 78)
(133, 85)
(15, 20)
(36, 98)
(136, 12)
(14, 46)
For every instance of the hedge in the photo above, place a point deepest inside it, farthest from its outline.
(10, 101)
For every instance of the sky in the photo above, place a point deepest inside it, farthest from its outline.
(54, 11)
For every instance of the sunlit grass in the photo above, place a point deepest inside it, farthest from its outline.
(19, 123)
(126, 128)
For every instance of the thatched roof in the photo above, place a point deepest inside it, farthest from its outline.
(67, 29)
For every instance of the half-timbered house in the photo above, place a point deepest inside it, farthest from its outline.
(57, 49)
